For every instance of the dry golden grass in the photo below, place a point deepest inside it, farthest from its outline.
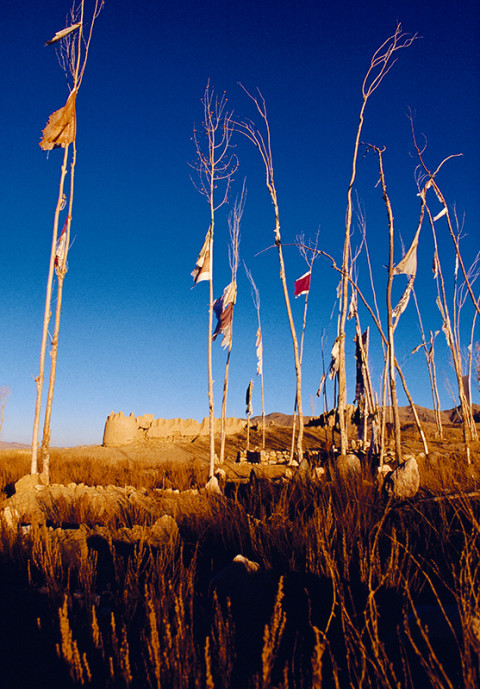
(352, 590)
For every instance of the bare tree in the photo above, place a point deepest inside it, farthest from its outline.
(215, 164)
(309, 258)
(429, 351)
(426, 180)
(381, 63)
(263, 144)
(378, 325)
(234, 220)
(73, 46)
(259, 345)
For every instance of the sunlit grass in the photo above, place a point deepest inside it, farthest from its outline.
(345, 595)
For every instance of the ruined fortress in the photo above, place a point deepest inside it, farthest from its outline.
(123, 430)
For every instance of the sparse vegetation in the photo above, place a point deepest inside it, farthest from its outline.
(350, 589)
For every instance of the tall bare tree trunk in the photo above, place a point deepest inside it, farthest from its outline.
(265, 150)
(213, 165)
(211, 408)
(46, 318)
(380, 65)
(70, 58)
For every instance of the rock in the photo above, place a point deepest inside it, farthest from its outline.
(73, 544)
(303, 471)
(11, 517)
(404, 481)
(345, 465)
(249, 565)
(213, 486)
(318, 474)
(382, 472)
(164, 529)
(28, 483)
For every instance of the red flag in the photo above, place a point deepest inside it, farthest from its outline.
(302, 285)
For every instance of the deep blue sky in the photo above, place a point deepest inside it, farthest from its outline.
(133, 334)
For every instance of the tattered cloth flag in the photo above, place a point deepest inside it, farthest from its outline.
(224, 325)
(352, 307)
(259, 346)
(61, 128)
(223, 309)
(466, 388)
(64, 32)
(61, 248)
(202, 270)
(441, 214)
(248, 398)
(408, 264)
(302, 285)
(404, 299)
(229, 296)
(320, 387)
(361, 363)
(335, 363)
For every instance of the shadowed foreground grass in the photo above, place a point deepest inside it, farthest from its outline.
(351, 591)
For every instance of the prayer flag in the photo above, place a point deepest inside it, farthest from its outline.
(224, 326)
(61, 248)
(466, 388)
(202, 270)
(248, 398)
(335, 363)
(408, 264)
(352, 307)
(61, 128)
(302, 285)
(320, 387)
(229, 294)
(361, 355)
(441, 214)
(259, 345)
(404, 299)
(64, 32)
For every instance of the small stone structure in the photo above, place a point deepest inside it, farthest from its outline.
(123, 430)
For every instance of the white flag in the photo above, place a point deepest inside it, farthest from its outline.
(259, 345)
(408, 264)
(202, 270)
(404, 299)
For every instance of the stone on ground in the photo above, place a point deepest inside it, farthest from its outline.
(404, 481)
